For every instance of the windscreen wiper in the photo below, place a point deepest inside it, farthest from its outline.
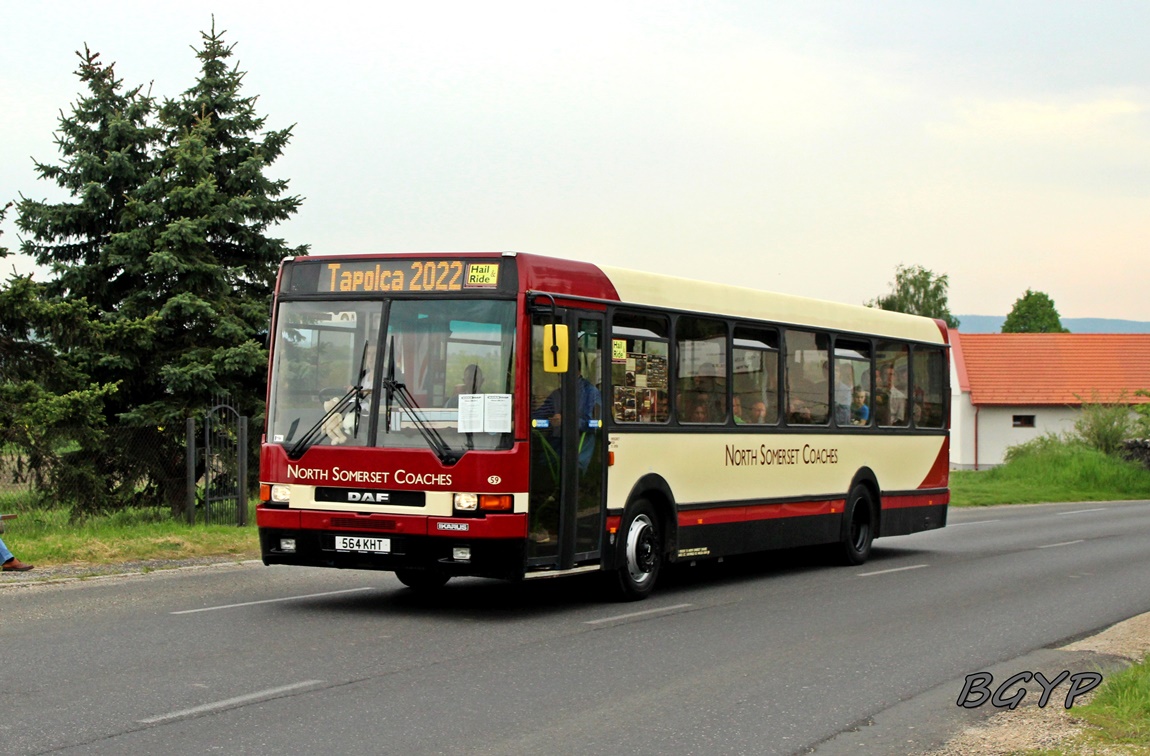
(354, 397)
(313, 433)
(397, 390)
(359, 391)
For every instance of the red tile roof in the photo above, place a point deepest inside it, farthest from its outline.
(1052, 368)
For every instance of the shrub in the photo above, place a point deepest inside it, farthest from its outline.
(1104, 426)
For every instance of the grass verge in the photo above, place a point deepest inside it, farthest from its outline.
(47, 537)
(1050, 470)
(1120, 714)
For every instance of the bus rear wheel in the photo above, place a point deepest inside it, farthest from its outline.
(858, 527)
(423, 580)
(641, 548)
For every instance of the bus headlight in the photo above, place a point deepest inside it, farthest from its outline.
(466, 502)
(281, 494)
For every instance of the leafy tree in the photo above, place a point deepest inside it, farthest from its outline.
(1105, 425)
(1033, 312)
(917, 291)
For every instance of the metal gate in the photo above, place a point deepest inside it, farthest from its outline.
(218, 469)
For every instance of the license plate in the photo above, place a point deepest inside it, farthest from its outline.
(373, 545)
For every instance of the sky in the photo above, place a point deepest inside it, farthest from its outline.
(803, 147)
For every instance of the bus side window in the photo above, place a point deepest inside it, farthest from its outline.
(891, 384)
(852, 389)
(640, 374)
(808, 379)
(755, 375)
(701, 356)
(929, 379)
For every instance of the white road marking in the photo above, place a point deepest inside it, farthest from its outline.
(1082, 511)
(270, 601)
(975, 522)
(263, 694)
(895, 569)
(1064, 543)
(618, 617)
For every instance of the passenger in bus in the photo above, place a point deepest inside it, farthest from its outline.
(472, 383)
(737, 409)
(589, 404)
(758, 413)
(699, 412)
(808, 398)
(844, 391)
(799, 412)
(860, 407)
(890, 398)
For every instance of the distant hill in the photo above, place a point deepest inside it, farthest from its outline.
(993, 324)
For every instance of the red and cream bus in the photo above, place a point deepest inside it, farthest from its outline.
(517, 416)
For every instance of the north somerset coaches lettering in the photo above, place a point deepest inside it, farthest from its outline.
(338, 475)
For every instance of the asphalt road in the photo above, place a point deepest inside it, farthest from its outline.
(776, 654)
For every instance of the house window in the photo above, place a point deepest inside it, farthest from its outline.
(1023, 421)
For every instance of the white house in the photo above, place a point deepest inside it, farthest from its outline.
(1007, 388)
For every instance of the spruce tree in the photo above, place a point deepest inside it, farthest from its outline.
(163, 247)
(48, 407)
(79, 348)
(107, 145)
(213, 263)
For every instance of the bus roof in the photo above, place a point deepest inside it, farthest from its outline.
(582, 279)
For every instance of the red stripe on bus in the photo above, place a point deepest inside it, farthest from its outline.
(751, 513)
(491, 526)
(939, 475)
(916, 500)
(285, 519)
(725, 515)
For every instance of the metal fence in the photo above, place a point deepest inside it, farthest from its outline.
(217, 468)
(198, 470)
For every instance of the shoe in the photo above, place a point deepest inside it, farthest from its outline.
(15, 565)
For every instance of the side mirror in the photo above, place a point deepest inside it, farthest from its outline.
(555, 343)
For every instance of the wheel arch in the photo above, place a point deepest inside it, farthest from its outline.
(654, 489)
(866, 477)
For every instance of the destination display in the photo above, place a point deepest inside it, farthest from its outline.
(412, 276)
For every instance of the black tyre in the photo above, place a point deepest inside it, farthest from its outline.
(641, 551)
(423, 580)
(858, 527)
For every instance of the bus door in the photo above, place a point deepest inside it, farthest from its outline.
(568, 483)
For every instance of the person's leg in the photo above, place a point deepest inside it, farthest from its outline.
(5, 554)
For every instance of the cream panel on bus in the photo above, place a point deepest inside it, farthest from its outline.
(436, 504)
(742, 466)
(635, 287)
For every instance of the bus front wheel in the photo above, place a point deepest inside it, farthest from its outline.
(642, 551)
(423, 580)
(858, 526)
